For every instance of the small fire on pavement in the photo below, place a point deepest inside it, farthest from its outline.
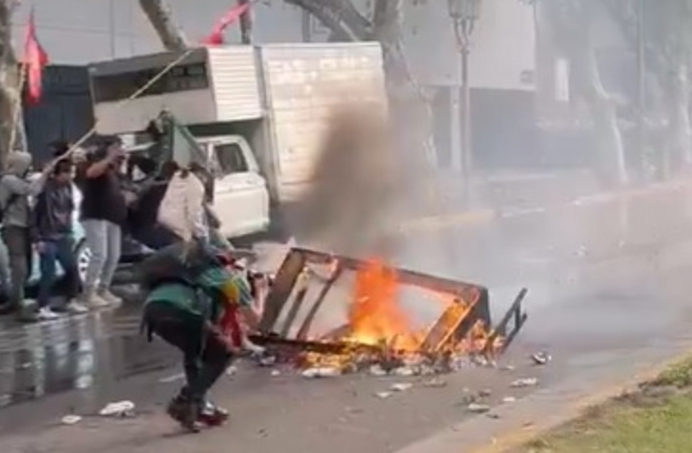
(379, 334)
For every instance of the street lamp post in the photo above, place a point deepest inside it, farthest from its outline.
(464, 14)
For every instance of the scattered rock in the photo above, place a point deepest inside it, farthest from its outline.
(435, 383)
(231, 370)
(478, 408)
(266, 360)
(509, 399)
(70, 419)
(493, 416)
(377, 370)
(485, 393)
(321, 372)
(276, 373)
(541, 358)
(404, 371)
(401, 386)
(383, 395)
(118, 409)
(508, 368)
(525, 382)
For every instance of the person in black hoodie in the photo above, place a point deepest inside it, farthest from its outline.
(53, 236)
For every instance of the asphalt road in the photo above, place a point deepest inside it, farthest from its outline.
(604, 277)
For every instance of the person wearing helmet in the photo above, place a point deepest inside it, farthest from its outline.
(190, 295)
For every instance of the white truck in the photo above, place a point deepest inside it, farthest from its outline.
(257, 112)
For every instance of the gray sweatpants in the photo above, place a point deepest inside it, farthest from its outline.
(104, 241)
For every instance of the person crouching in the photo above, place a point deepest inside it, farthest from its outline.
(185, 306)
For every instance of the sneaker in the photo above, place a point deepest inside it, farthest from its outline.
(109, 297)
(75, 308)
(212, 415)
(46, 314)
(185, 413)
(93, 300)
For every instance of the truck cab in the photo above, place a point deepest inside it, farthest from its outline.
(240, 192)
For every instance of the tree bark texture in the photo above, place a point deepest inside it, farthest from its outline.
(159, 15)
(12, 125)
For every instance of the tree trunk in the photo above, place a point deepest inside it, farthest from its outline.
(10, 89)
(159, 15)
(679, 102)
(245, 24)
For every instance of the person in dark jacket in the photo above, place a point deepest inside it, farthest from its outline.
(53, 235)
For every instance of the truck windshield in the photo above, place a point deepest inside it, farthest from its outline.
(230, 159)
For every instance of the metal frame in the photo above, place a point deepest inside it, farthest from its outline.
(453, 326)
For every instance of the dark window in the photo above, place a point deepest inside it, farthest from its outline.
(230, 159)
(116, 87)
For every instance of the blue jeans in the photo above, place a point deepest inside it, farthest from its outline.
(52, 252)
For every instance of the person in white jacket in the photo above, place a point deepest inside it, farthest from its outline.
(182, 207)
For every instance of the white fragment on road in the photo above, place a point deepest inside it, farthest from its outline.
(478, 408)
(377, 370)
(404, 371)
(383, 395)
(70, 419)
(123, 408)
(508, 367)
(509, 399)
(172, 378)
(485, 393)
(276, 373)
(231, 370)
(321, 372)
(525, 382)
(435, 383)
(541, 358)
(401, 386)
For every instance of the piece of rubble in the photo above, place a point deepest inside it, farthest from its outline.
(485, 393)
(525, 382)
(70, 419)
(435, 383)
(231, 370)
(509, 399)
(122, 409)
(383, 395)
(478, 408)
(508, 368)
(401, 386)
(377, 370)
(541, 358)
(404, 371)
(321, 372)
(276, 373)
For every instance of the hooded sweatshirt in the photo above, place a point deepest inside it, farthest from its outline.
(15, 190)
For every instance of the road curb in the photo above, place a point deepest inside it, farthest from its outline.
(516, 424)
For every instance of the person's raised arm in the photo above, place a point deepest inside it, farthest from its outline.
(23, 187)
(100, 167)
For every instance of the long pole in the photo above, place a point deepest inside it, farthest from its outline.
(466, 117)
(17, 110)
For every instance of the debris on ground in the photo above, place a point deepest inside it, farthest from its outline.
(509, 399)
(231, 370)
(525, 382)
(485, 393)
(541, 358)
(383, 395)
(435, 383)
(401, 386)
(321, 372)
(478, 408)
(377, 370)
(275, 373)
(121, 409)
(70, 419)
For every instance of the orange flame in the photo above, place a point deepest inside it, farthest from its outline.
(374, 316)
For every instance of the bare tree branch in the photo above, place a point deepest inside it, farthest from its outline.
(159, 15)
(245, 23)
(340, 16)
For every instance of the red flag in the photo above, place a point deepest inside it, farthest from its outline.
(215, 38)
(35, 58)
